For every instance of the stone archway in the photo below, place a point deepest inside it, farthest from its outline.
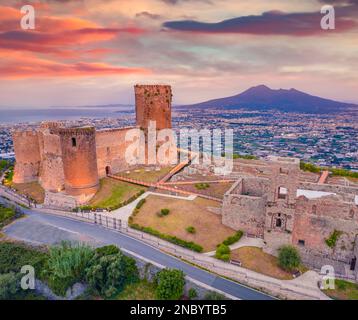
(108, 170)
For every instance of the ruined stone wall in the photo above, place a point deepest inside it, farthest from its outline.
(329, 188)
(27, 154)
(244, 206)
(153, 103)
(316, 220)
(78, 147)
(111, 147)
(51, 169)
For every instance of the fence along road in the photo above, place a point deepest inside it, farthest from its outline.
(97, 229)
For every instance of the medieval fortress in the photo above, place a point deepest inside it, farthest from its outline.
(271, 199)
(68, 162)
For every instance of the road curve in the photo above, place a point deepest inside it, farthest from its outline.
(41, 228)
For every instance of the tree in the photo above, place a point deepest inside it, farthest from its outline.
(170, 284)
(289, 258)
(109, 274)
(223, 252)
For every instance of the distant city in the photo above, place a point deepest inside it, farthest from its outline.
(323, 139)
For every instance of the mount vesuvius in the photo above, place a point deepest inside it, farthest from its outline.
(263, 98)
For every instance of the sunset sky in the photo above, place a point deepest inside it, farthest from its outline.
(90, 52)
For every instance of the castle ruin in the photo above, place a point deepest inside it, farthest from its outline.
(68, 162)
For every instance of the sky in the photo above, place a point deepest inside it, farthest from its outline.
(92, 52)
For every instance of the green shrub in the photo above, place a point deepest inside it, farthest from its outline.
(108, 274)
(333, 238)
(233, 239)
(189, 245)
(6, 215)
(202, 186)
(190, 229)
(9, 286)
(165, 212)
(213, 295)
(106, 250)
(289, 258)
(335, 171)
(223, 252)
(192, 293)
(13, 256)
(67, 265)
(140, 204)
(170, 284)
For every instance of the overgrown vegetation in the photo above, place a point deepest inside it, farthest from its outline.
(170, 284)
(66, 265)
(110, 271)
(6, 215)
(14, 255)
(192, 293)
(333, 238)
(202, 186)
(185, 244)
(344, 290)
(289, 258)
(223, 252)
(335, 171)
(3, 165)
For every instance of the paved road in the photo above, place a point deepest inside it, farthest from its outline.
(40, 228)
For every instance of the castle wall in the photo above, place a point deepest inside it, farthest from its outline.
(110, 148)
(51, 170)
(153, 103)
(78, 146)
(316, 220)
(27, 154)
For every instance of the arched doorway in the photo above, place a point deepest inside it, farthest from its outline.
(353, 263)
(108, 170)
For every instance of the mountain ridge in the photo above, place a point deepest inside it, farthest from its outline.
(262, 97)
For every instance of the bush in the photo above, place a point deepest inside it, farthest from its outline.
(170, 284)
(108, 274)
(14, 256)
(202, 186)
(140, 204)
(289, 258)
(192, 293)
(9, 286)
(191, 229)
(223, 252)
(163, 212)
(213, 295)
(67, 265)
(333, 238)
(233, 239)
(185, 244)
(107, 250)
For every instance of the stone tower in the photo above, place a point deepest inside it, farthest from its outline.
(27, 154)
(78, 147)
(153, 103)
(51, 170)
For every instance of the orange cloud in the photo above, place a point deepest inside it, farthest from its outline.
(20, 66)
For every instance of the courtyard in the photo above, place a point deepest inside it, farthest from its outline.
(209, 231)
